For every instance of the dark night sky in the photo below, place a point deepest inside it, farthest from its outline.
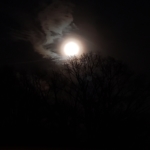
(121, 28)
(125, 26)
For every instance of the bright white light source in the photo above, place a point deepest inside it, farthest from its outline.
(71, 49)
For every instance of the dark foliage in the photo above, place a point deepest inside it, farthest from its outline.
(91, 101)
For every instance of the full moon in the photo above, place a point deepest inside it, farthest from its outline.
(71, 48)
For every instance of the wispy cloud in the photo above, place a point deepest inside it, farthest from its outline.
(54, 21)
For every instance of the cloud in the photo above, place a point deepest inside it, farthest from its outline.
(55, 20)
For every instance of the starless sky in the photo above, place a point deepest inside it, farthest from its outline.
(120, 28)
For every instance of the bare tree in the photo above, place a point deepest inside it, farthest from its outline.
(90, 99)
(104, 93)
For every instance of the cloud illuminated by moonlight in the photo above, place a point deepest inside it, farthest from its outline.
(55, 21)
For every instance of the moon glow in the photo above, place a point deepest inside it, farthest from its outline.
(71, 48)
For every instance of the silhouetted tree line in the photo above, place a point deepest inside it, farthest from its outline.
(89, 101)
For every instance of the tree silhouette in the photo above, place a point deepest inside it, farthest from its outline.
(106, 97)
(91, 100)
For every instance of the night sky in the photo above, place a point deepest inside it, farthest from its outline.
(125, 27)
(119, 28)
